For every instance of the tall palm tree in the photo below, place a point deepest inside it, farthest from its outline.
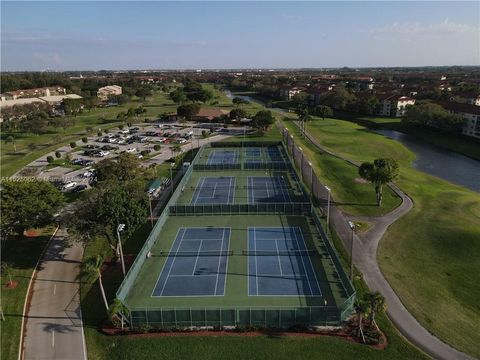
(362, 308)
(377, 304)
(92, 266)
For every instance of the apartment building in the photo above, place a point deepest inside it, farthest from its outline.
(470, 113)
(104, 92)
(394, 105)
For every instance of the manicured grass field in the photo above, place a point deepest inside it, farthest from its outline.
(22, 253)
(431, 256)
(455, 142)
(352, 194)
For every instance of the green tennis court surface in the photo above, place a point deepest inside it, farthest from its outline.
(237, 246)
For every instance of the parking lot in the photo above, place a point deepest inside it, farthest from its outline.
(140, 140)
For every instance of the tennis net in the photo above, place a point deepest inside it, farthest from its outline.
(279, 253)
(192, 253)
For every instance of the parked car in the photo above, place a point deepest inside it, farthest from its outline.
(69, 185)
(103, 153)
(91, 146)
(151, 133)
(79, 188)
(109, 147)
(88, 173)
(131, 150)
(181, 141)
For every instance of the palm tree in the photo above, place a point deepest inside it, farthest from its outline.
(379, 173)
(362, 308)
(176, 148)
(377, 304)
(92, 266)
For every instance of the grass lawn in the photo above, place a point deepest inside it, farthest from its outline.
(353, 195)
(431, 256)
(455, 142)
(22, 253)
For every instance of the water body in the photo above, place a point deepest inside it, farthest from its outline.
(433, 160)
(445, 164)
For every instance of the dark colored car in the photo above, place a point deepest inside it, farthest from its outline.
(109, 147)
(79, 188)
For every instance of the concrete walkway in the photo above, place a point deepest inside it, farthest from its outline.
(365, 258)
(53, 328)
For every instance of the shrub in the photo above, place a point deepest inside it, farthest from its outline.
(58, 154)
(129, 124)
(144, 152)
(120, 127)
(73, 145)
(84, 140)
(50, 159)
(156, 147)
(99, 133)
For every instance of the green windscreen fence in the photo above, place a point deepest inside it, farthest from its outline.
(231, 209)
(274, 317)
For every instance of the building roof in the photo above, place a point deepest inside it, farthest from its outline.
(211, 113)
(459, 107)
(48, 99)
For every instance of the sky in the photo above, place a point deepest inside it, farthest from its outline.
(75, 35)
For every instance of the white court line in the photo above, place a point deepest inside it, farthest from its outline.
(256, 266)
(54, 289)
(197, 192)
(226, 263)
(53, 338)
(198, 255)
(303, 262)
(278, 258)
(173, 261)
(219, 262)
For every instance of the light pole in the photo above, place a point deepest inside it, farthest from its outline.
(352, 226)
(151, 212)
(120, 228)
(328, 208)
(171, 177)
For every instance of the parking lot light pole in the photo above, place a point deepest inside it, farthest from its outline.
(171, 177)
(120, 228)
(352, 227)
(328, 208)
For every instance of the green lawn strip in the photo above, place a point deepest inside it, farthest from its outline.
(350, 193)
(439, 236)
(23, 254)
(455, 142)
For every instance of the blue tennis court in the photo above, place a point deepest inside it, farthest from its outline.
(273, 154)
(220, 157)
(253, 152)
(268, 189)
(196, 264)
(214, 190)
(279, 263)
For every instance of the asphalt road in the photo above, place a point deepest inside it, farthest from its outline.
(53, 327)
(365, 258)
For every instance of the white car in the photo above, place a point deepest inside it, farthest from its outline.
(103, 153)
(181, 141)
(131, 150)
(124, 131)
(69, 185)
(140, 156)
(88, 173)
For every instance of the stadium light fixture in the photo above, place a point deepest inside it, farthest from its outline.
(352, 227)
(120, 228)
(328, 207)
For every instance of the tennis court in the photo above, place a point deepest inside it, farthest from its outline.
(279, 263)
(221, 157)
(268, 189)
(214, 190)
(196, 264)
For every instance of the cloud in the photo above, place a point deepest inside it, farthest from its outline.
(418, 28)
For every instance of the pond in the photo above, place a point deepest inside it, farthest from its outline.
(445, 164)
